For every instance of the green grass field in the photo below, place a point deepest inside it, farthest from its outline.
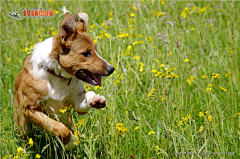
(175, 92)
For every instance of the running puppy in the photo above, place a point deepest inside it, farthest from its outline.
(51, 78)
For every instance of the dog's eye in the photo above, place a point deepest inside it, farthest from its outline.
(87, 54)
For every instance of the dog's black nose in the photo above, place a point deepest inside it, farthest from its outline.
(110, 70)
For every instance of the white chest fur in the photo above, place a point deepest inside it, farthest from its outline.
(62, 96)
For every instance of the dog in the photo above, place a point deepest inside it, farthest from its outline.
(51, 78)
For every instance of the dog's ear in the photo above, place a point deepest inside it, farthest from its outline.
(67, 28)
(84, 19)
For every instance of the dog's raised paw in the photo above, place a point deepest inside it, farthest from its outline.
(97, 102)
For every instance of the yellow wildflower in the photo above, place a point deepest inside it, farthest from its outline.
(187, 117)
(157, 148)
(204, 76)
(206, 112)
(151, 132)
(201, 128)
(208, 89)
(186, 60)
(210, 118)
(161, 66)
(236, 115)
(125, 130)
(121, 77)
(38, 156)
(87, 87)
(137, 127)
(203, 9)
(116, 82)
(107, 35)
(193, 8)
(192, 78)
(184, 14)
(30, 142)
(119, 125)
(92, 26)
(76, 133)
(129, 47)
(157, 73)
(201, 114)
(124, 35)
(223, 89)
(120, 128)
(20, 150)
(180, 123)
(52, 28)
(192, 28)
(135, 43)
(132, 14)
(163, 99)
(8, 59)
(63, 109)
(228, 74)
(149, 38)
(158, 13)
(216, 76)
(103, 24)
(151, 93)
(154, 71)
(56, 12)
(54, 33)
(175, 75)
(80, 123)
(134, 8)
(141, 66)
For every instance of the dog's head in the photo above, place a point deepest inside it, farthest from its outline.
(76, 51)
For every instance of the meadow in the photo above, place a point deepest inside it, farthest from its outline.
(174, 92)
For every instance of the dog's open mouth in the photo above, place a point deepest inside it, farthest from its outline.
(89, 77)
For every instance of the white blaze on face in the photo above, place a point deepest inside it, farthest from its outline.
(102, 59)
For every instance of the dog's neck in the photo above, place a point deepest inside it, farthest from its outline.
(53, 73)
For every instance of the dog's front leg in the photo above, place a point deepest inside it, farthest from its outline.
(85, 101)
(51, 125)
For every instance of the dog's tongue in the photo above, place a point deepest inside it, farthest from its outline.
(97, 78)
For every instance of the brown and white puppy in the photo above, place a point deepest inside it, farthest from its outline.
(51, 78)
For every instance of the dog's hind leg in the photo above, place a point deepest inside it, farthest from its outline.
(24, 127)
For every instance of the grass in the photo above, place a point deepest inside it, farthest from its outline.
(164, 104)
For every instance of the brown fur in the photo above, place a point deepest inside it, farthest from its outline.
(30, 90)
